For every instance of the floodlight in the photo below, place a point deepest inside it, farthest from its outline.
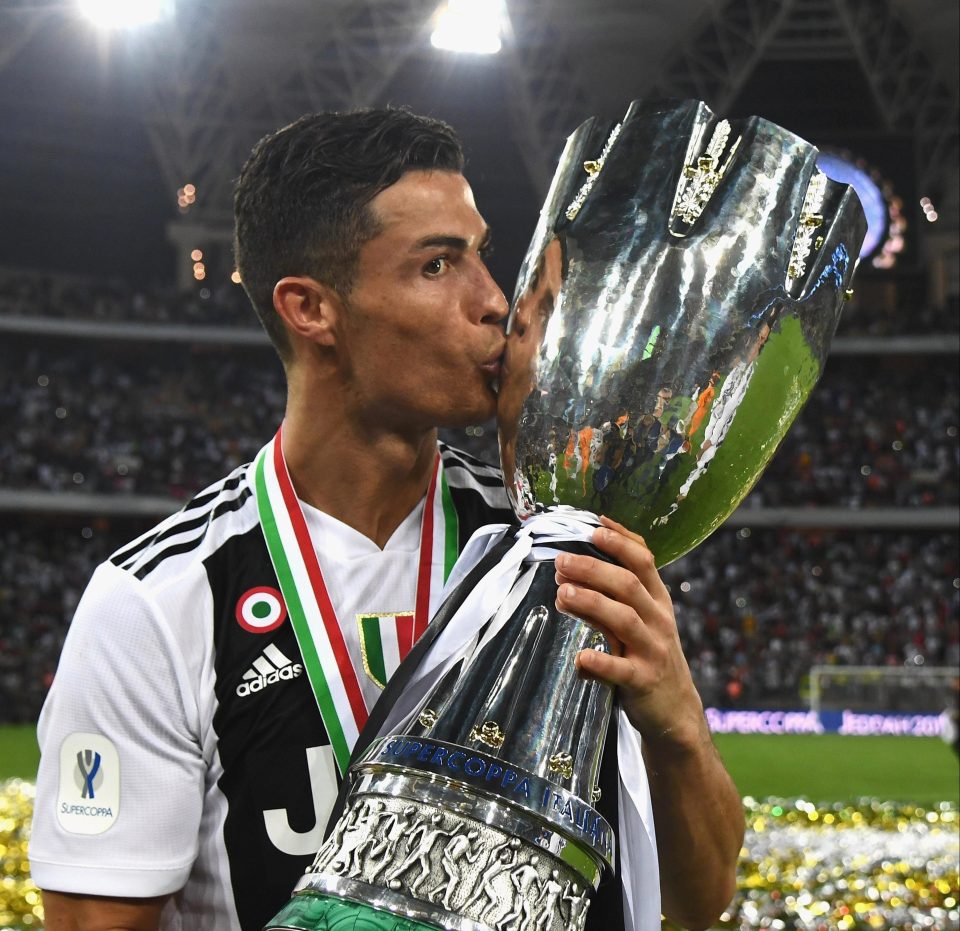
(125, 14)
(469, 26)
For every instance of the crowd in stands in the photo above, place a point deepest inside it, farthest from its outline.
(873, 433)
(25, 294)
(43, 571)
(755, 610)
(168, 422)
(871, 319)
(161, 423)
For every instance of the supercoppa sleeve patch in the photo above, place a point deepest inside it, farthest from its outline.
(89, 797)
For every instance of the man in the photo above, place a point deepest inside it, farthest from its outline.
(186, 772)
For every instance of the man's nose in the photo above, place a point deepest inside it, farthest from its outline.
(493, 302)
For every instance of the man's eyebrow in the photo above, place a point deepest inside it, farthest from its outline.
(451, 242)
(447, 242)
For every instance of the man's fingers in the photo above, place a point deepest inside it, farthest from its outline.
(616, 621)
(630, 550)
(618, 583)
(612, 524)
(616, 671)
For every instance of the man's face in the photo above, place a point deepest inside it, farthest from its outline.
(422, 336)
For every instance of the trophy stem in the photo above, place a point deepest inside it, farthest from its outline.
(472, 818)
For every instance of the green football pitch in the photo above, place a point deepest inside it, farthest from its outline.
(837, 768)
(19, 753)
(820, 768)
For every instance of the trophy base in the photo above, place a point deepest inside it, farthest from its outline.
(311, 912)
(443, 834)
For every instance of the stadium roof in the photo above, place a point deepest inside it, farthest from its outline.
(98, 132)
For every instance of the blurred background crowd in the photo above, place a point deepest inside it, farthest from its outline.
(133, 372)
(33, 294)
(168, 419)
(757, 606)
(57, 297)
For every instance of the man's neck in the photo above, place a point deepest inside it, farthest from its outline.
(369, 481)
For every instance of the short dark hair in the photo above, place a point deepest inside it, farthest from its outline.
(301, 202)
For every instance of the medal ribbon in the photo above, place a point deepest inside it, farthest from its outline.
(326, 658)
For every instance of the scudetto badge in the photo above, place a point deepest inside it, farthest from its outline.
(89, 797)
(260, 610)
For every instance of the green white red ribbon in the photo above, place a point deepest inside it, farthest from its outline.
(326, 658)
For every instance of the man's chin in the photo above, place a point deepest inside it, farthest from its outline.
(479, 416)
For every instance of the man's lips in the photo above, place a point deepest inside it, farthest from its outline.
(492, 368)
(494, 360)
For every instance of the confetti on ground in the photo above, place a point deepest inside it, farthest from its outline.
(868, 866)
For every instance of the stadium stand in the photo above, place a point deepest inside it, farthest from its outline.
(36, 294)
(33, 294)
(153, 397)
(167, 422)
(755, 608)
(86, 417)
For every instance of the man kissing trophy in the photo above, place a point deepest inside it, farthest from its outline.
(671, 317)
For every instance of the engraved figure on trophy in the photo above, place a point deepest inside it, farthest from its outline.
(376, 817)
(333, 847)
(525, 880)
(394, 828)
(579, 904)
(458, 848)
(501, 861)
(548, 903)
(424, 836)
(351, 839)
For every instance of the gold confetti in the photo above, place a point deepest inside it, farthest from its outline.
(870, 865)
(20, 906)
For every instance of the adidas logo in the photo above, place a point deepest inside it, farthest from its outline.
(269, 667)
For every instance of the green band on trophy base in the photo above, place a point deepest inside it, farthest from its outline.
(329, 913)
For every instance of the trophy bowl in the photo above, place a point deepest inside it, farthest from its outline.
(672, 315)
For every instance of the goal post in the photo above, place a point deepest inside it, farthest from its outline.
(905, 689)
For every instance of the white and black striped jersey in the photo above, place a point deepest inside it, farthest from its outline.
(182, 748)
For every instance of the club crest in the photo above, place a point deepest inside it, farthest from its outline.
(385, 639)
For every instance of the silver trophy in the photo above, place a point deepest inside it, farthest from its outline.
(672, 315)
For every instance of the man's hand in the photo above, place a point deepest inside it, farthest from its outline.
(696, 807)
(631, 606)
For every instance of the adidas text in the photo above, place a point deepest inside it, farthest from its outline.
(262, 681)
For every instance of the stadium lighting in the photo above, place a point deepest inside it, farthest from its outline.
(929, 211)
(124, 14)
(472, 26)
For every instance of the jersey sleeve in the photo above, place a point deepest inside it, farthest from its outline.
(121, 781)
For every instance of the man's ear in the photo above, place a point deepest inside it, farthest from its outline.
(309, 308)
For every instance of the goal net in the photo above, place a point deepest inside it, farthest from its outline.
(905, 689)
